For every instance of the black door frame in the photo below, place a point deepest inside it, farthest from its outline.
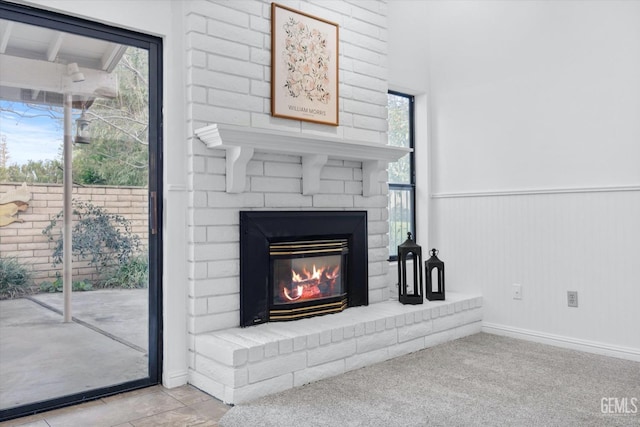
(57, 21)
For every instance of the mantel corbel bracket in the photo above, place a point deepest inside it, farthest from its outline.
(371, 170)
(312, 165)
(237, 160)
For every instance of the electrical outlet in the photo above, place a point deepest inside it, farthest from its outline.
(517, 291)
(572, 298)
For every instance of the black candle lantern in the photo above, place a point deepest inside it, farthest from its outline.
(431, 264)
(410, 293)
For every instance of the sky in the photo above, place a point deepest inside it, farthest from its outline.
(37, 138)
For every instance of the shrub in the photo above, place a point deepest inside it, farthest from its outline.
(56, 286)
(82, 285)
(102, 238)
(134, 274)
(52, 287)
(15, 278)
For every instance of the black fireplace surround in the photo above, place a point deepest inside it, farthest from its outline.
(260, 230)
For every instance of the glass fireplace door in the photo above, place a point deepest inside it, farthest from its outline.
(307, 278)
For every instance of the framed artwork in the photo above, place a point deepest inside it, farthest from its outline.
(304, 66)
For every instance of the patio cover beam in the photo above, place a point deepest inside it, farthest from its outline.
(53, 77)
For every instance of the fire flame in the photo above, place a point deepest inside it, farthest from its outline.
(297, 296)
(309, 284)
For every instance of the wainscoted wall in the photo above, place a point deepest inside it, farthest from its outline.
(524, 96)
(549, 243)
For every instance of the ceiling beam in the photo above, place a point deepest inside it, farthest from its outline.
(54, 47)
(5, 35)
(112, 56)
(52, 77)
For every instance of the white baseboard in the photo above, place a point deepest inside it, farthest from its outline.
(564, 342)
(175, 379)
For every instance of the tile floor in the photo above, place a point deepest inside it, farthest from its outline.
(148, 407)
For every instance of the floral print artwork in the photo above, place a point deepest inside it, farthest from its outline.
(306, 57)
(304, 67)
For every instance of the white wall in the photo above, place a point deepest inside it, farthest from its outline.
(547, 92)
(534, 139)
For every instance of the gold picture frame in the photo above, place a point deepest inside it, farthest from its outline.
(304, 66)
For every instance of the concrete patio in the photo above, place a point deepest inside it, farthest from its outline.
(41, 357)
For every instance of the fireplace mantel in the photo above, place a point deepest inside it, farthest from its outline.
(241, 142)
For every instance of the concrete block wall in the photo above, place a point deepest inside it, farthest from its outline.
(228, 82)
(26, 242)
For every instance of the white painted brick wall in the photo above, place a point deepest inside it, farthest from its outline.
(316, 373)
(228, 82)
(327, 354)
(277, 366)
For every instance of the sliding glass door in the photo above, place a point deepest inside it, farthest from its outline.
(80, 239)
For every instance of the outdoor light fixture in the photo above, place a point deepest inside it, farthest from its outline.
(74, 72)
(82, 129)
(410, 293)
(434, 265)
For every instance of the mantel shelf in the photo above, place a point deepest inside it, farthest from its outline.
(241, 142)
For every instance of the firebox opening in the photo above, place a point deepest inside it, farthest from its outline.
(319, 257)
(308, 278)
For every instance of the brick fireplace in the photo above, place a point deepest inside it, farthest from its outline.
(243, 159)
(278, 199)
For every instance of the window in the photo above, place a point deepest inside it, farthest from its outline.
(402, 177)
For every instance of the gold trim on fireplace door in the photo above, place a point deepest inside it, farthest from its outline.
(287, 248)
(309, 251)
(315, 244)
(296, 313)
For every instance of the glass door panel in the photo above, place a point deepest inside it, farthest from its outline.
(78, 135)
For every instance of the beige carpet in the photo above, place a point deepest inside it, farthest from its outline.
(482, 380)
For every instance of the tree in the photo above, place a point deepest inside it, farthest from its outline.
(4, 152)
(34, 171)
(399, 137)
(118, 152)
(42, 171)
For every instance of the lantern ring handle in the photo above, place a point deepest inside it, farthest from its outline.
(434, 252)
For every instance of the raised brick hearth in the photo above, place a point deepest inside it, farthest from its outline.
(240, 364)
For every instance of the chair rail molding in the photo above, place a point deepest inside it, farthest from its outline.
(242, 142)
(538, 191)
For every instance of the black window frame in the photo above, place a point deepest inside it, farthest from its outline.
(411, 186)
